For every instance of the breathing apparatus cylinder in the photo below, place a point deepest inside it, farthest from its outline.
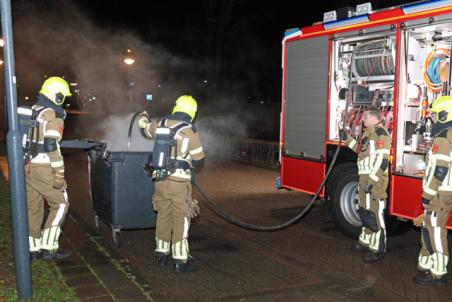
(164, 143)
(28, 125)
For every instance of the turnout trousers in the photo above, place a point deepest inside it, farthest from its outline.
(371, 212)
(170, 200)
(434, 254)
(39, 179)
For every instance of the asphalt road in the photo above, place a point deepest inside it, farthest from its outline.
(309, 261)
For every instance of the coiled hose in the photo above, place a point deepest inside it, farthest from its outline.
(432, 69)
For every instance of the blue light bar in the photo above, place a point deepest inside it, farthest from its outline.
(349, 21)
(420, 7)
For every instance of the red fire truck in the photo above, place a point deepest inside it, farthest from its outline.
(397, 59)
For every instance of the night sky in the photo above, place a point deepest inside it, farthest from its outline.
(242, 37)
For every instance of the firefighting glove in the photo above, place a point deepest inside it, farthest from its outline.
(193, 208)
(58, 181)
(343, 134)
(143, 119)
(419, 220)
(368, 188)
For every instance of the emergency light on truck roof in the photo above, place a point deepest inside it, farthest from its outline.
(347, 16)
(364, 9)
(329, 16)
(347, 12)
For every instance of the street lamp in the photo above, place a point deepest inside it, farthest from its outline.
(129, 60)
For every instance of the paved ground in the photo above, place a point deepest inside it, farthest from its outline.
(310, 261)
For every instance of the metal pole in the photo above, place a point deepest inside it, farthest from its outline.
(449, 84)
(15, 163)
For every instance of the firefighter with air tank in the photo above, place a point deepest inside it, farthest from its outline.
(44, 171)
(177, 151)
(373, 151)
(436, 197)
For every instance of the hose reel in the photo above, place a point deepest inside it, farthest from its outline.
(374, 60)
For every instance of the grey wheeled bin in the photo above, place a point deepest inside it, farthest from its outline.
(121, 191)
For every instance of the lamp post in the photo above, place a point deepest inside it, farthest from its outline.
(3, 122)
(129, 60)
(15, 163)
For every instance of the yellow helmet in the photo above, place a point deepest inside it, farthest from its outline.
(442, 106)
(186, 104)
(55, 89)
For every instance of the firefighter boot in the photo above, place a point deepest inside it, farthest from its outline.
(423, 278)
(162, 259)
(185, 267)
(373, 257)
(358, 247)
(54, 255)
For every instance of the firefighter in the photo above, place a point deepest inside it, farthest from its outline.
(436, 197)
(373, 160)
(172, 194)
(44, 171)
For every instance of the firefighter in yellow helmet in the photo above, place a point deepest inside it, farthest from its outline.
(373, 161)
(177, 152)
(44, 171)
(436, 197)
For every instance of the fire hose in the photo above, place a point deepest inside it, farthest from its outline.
(236, 221)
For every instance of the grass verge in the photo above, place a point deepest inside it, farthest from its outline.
(48, 284)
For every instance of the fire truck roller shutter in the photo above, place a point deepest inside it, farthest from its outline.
(305, 97)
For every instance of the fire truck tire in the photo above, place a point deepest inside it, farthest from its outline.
(342, 195)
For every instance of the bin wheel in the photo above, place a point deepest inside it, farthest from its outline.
(97, 222)
(116, 238)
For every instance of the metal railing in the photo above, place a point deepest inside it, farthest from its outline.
(256, 152)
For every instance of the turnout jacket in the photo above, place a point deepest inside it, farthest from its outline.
(373, 152)
(437, 176)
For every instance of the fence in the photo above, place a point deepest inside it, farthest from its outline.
(257, 152)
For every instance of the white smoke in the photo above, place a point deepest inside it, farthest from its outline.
(115, 130)
(219, 134)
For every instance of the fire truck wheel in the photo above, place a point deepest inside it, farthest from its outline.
(343, 199)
